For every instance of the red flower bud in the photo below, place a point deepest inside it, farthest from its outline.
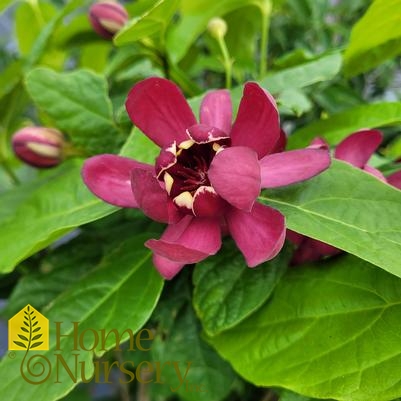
(38, 146)
(107, 18)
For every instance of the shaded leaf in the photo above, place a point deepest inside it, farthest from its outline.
(22, 337)
(37, 336)
(227, 291)
(36, 344)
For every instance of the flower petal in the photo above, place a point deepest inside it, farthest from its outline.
(152, 198)
(109, 178)
(319, 143)
(286, 168)
(281, 143)
(235, 175)
(259, 234)
(216, 110)
(375, 172)
(202, 133)
(395, 179)
(207, 203)
(358, 148)
(166, 267)
(312, 250)
(189, 241)
(257, 124)
(158, 107)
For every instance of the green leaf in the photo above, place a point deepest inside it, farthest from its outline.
(375, 38)
(5, 4)
(311, 72)
(347, 208)
(125, 283)
(34, 15)
(22, 337)
(48, 213)
(195, 16)
(338, 126)
(79, 105)
(326, 333)
(10, 77)
(153, 21)
(37, 336)
(227, 291)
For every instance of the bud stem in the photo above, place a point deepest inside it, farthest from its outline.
(227, 61)
(265, 14)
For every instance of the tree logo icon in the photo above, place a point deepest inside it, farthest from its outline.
(28, 330)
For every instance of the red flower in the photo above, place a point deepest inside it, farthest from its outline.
(208, 176)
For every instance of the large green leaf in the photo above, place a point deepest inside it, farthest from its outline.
(60, 203)
(375, 38)
(319, 70)
(227, 291)
(120, 294)
(195, 16)
(331, 331)
(151, 22)
(346, 208)
(79, 105)
(338, 126)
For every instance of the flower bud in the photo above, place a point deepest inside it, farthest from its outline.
(107, 18)
(38, 146)
(217, 27)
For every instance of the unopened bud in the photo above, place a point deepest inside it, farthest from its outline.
(107, 18)
(217, 27)
(39, 146)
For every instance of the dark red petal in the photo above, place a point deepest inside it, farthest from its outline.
(216, 110)
(166, 267)
(207, 203)
(202, 133)
(152, 198)
(358, 148)
(312, 250)
(281, 143)
(109, 178)
(189, 241)
(259, 234)
(235, 175)
(294, 237)
(158, 107)
(395, 179)
(280, 169)
(257, 125)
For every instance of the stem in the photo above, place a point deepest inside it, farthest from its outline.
(123, 386)
(265, 14)
(9, 171)
(227, 62)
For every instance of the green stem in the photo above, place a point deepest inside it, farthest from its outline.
(9, 171)
(227, 62)
(265, 14)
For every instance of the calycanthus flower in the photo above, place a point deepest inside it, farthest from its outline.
(356, 149)
(208, 175)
